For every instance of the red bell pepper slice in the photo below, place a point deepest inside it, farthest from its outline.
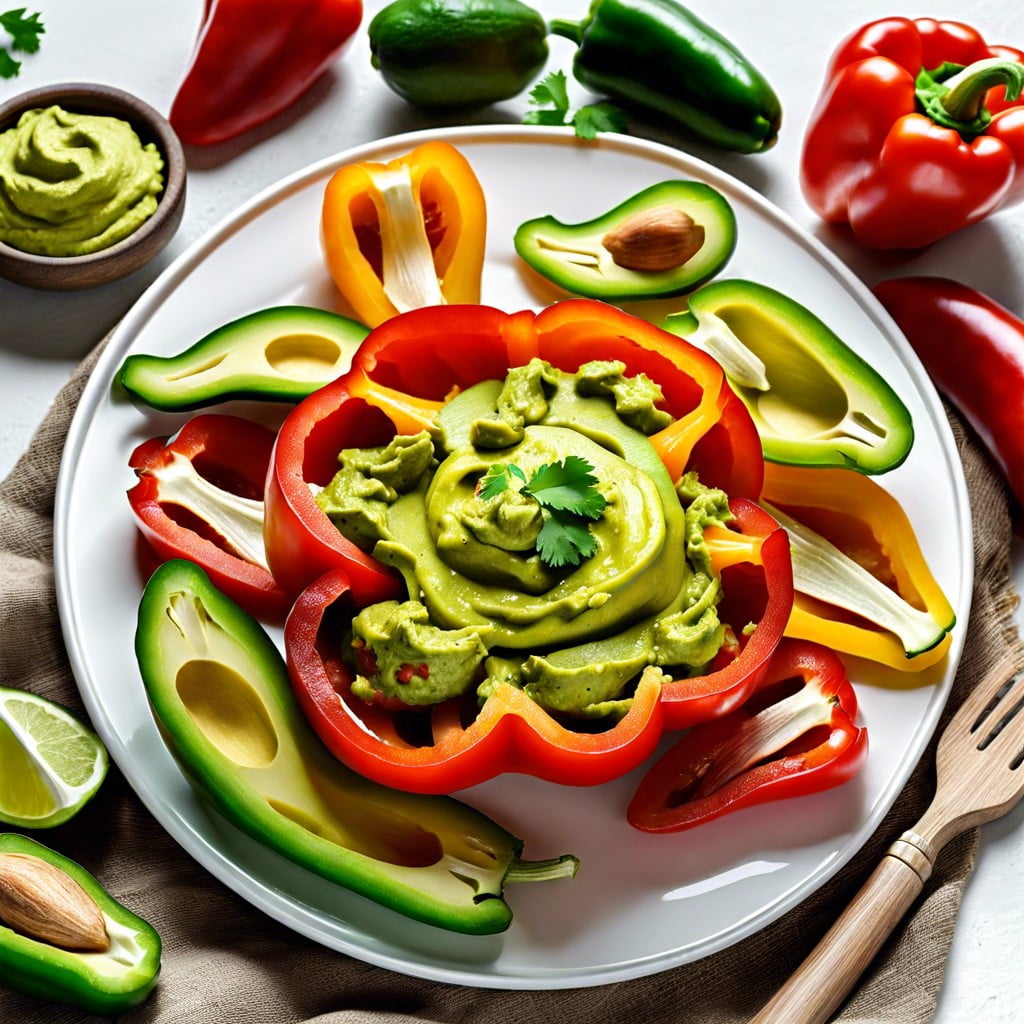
(398, 382)
(899, 177)
(796, 735)
(510, 734)
(253, 59)
(751, 557)
(403, 371)
(230, 456)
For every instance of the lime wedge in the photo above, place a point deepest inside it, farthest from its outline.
(50, 762)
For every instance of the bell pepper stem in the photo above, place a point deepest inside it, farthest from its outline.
(565, 866)
(569, 29)
(956, 100)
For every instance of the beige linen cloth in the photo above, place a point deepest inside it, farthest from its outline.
(226, 962)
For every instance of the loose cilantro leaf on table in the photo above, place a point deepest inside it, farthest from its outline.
(24, 30)
(551, 97)
(567, 493)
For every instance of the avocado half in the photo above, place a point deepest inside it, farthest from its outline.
(278, 354)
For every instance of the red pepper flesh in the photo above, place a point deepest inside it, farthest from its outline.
(872, 159)
(253, 59)
(232, 453)
(398, 382)
(796, 735)
(973, 350)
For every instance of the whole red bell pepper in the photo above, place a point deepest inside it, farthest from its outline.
(918, 133)
(199, 496)
(397, 383)
(253, 59)
(973, 350)
(796, 734)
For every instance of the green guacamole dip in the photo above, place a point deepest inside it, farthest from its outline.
(72, 184)
(483, 606)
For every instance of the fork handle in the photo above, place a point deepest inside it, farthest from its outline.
(833, 967)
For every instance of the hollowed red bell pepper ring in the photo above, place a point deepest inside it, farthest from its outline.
(253, 59)
(751, 557)
(406, 367)
(903, 145)
(199, 496)
(510, 734)
(796, 735)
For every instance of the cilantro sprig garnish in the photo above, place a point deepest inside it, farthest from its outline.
(551, 96)
(568, 496)
(24, 30)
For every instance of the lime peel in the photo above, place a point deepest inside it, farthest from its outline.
(63, 761)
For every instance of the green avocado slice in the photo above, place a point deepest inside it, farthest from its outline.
(278, 354)
(221, 696)
(103, 981)
(663, 241)
(815, 402)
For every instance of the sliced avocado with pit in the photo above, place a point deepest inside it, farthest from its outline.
(220, 693)
(814, 400)
(278, 354)
(663, 241)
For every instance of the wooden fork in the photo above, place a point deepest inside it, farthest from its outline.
(980, 777)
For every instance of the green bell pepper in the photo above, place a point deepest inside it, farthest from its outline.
(280, 354)
(113, 971)
(815, 402)
(662, 241)
(220, 692)
(656, 56)
(457, 53)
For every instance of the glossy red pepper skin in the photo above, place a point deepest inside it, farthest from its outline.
(973, 350)
(233, 453)
(897, 178)
(510, 734)
(828, 754)
(253, 59)
(406, 366)
(398, 381)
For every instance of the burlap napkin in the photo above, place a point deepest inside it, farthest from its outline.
(226, 962)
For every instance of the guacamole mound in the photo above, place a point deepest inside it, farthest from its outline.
(73, 184)
(485, 608)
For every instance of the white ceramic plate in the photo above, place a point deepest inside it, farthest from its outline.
(640, 904)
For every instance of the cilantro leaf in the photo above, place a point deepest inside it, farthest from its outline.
(568, 486)
(552, 90)
(551, 96)
(598, 117)
(9, 67)
(497, 479)
(24, 30)
(564, 540)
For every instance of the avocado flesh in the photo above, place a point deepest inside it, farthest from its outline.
(220, 693)
(279, 354)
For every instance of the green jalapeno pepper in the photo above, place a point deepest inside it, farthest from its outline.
(64, 938)
(657, 57)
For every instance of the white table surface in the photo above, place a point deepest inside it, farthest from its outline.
(144, 46)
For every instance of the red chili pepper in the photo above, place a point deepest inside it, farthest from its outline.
(185, 483)
(973, 349)
(796, 735)
(253, 59)
(398, 382)
(919, 132)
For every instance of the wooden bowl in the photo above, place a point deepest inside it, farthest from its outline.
(68, 273)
